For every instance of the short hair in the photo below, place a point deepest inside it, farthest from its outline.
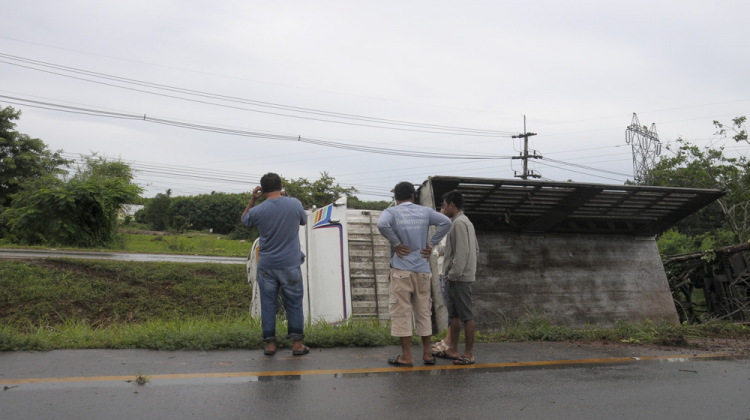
(403, 191)
(454, 197)
(270, 182)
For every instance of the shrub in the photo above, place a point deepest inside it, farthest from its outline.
(80, 211)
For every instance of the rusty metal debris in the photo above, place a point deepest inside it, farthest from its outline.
(715, 283)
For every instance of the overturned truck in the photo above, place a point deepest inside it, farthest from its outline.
(345, 273)
(577, 253)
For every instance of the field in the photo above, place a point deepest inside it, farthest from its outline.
(72, 304)
(192, 243)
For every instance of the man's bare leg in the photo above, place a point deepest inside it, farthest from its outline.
(406, 351)
(427, 345)
(469, 332)
(455, 332)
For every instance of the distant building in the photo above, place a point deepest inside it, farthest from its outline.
(129, 210)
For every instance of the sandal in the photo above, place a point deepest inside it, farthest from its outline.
(443, 355)
(464, 361)
(301, 352)
(440, 346)
(430, 362)
(394, 361)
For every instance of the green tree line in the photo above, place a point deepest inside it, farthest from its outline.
(221, 212)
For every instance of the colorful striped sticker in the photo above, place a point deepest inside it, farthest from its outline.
(323, 216)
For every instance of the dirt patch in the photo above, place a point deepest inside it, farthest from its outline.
(673, 340)
(722, 344)
(143, 232)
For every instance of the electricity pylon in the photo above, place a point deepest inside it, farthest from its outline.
(646, 147)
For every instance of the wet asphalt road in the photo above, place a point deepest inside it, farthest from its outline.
(118, 256)
(528, 381)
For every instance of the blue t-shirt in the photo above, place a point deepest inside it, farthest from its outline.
(278, 221)
(409, 223)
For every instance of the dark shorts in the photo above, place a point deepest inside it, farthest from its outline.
(460, 305)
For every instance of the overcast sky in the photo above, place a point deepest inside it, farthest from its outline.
(577, 70)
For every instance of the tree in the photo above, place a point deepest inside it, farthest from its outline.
(319, 193)
(156, 212)
(695, 167)
(76, 211)
(22, 158)
(738, 127)
(354, 202)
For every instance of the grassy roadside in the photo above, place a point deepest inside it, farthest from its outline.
(75, 304)
(191, 243)
(243, 332)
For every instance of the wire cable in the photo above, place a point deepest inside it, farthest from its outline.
(255, 81)
(245, 133)
(422, 127)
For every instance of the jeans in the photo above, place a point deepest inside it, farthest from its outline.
(289, 280)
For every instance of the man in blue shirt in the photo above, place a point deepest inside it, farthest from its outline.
(406, 227)
(278, 219)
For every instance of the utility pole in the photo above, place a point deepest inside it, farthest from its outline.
(525, 155)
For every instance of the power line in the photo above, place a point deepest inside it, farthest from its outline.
(578, 172)
(306, 153)
(253, 80)
(646, 112)
(560, 162)
(397, 124)
(245, 133)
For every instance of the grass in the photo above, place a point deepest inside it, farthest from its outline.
(103, 293)
(88, 304)
(243, 332)
(191, 243)
(195, 243)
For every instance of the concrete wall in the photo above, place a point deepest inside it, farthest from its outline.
(574, 279)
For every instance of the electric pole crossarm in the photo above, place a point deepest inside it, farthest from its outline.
(525, 155)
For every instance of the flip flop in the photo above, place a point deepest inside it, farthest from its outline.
(464, 361)
(394, 361)
(301, 352)
(439, 346)
(430, 362)
(443, 355)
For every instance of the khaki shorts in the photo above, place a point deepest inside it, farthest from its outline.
(410, 292)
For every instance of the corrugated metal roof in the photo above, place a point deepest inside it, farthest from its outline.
(542, 206)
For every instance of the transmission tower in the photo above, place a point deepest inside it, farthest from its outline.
(646, 147)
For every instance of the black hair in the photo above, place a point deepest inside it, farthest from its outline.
(454, 197)
(270, 182)
(403, 191)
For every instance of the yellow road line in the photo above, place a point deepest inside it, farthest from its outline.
(357, 371)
